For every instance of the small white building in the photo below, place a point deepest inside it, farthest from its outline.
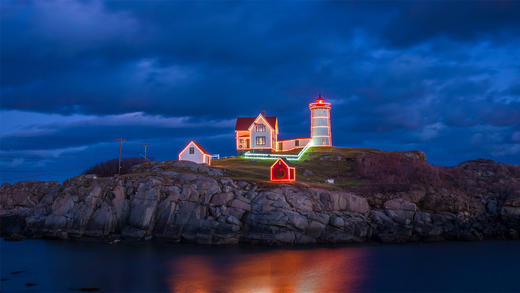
(196, 153)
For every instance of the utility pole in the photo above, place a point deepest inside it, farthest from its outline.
(145, 152)
(120, 149)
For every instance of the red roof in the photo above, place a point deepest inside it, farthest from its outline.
(201, 148)
(243, 123)
(286, 162)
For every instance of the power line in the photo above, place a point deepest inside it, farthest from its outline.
(120, 149)
(145, 150)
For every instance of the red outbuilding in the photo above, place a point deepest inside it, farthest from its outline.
(282, 172)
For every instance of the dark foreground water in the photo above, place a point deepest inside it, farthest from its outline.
(59, 266)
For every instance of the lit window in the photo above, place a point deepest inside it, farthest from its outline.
(192, 150)
(320, 113)
(320, 122)
(260, 128)
(320, 131)
(260, 140)
(241, 140)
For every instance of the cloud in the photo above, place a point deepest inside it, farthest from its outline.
(516, 136)
(92, 129)
(460, 20)
(442, 77)
(16, 162)
(506, 150)
(56, 37)
(431, 131)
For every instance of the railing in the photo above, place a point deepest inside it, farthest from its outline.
(249, 155)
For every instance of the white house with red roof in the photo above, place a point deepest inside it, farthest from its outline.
(194, 152)
(256, 133)
(260, 134)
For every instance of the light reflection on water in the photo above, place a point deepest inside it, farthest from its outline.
(323, 270)
(61, 266)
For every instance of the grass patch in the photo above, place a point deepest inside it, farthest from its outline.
(315, 166)
(246, 169)
(349, 183)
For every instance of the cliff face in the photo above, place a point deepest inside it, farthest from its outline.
(181, 201)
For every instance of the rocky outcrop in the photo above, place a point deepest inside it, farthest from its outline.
(181, 201)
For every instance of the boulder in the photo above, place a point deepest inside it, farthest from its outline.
(343, 201)
(356, 204)
(400, 204)
(232, 220)
(144, 204)
(240, 204)
(337, 222)
(491, 206)
(285, 237)
(315, 229)
(510, 212)
(222, 198)
(298, 221)
(102, 223)
(402, 217)
(298, 200)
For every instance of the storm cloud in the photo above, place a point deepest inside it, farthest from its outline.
(442, 77)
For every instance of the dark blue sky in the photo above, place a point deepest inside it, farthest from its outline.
(442, 77)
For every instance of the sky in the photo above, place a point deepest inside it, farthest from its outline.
(442, 77)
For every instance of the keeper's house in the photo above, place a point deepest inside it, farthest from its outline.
(260, 134)
(196, 153)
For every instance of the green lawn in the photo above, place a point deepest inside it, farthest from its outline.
(319, 163)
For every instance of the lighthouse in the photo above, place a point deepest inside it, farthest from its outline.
(320, 122)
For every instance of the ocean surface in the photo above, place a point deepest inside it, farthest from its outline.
(65, 266)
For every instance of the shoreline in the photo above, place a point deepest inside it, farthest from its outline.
(257, 247)
(180, 201)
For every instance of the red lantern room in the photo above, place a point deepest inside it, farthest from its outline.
(319, 100)
(319, 103)
(282, 172)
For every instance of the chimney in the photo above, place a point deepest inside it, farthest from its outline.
(263, 113)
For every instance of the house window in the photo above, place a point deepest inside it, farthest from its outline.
(260, 128)
(241, 140)
(260, 140)
(296, 143)
(192, 150)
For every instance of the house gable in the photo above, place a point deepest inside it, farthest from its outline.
(199, 155)
(282, 172)
(262, 139)
(255, 122)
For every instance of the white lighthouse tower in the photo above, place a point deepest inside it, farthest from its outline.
(320, 122)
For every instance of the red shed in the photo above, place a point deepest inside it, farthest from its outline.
(282, 172)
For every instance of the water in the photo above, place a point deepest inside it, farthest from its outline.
(60, 266)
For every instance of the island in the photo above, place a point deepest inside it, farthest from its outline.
(341, 195)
